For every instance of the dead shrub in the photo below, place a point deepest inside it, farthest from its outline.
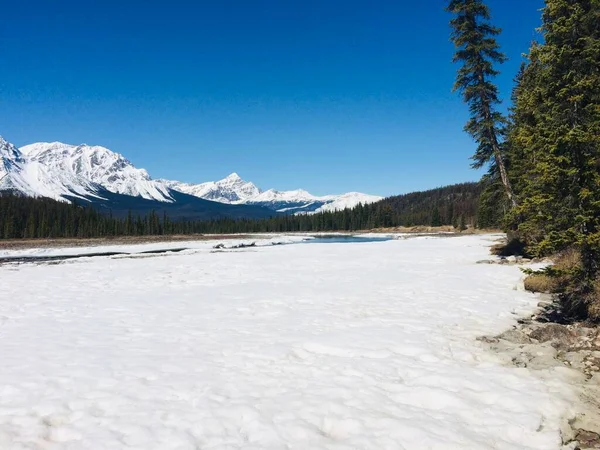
(579, 298)
(593, 302)
(567, 261)
(539, 282)
(558, 277)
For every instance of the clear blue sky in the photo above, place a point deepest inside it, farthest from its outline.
(330, 96)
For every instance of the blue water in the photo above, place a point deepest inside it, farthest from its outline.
(346, 239)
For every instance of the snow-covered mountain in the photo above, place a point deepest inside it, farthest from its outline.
(64, 172)
(234, 190)
(58, 169)
(349, 200)
(231, 189)
(11, 167)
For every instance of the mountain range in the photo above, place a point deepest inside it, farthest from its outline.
(107, 180)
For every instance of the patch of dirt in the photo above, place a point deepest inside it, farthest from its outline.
(539, 343)
(21, 244)
(428, 229)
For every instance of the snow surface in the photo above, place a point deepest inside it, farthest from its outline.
(321, 346)
(262, 240)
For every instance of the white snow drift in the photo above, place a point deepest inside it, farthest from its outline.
(307, 346)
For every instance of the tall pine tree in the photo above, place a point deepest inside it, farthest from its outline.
(478, 51)
(556, 140)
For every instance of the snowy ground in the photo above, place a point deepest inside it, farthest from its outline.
(334, 346)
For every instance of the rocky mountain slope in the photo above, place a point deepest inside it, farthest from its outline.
(100, 176)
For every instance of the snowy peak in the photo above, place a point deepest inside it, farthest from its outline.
(232, 178)
(9, 152)
(83, 169)
(231, 189)
(11, 166)
(234, 188)
(61, 171)
(297, 195)
(348, 200)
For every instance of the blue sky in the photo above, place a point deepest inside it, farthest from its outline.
(331, 96)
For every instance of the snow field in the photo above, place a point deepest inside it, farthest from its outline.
(324, 346)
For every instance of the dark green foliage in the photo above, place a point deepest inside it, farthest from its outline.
(555, 142)
(443, 205)
(478, 51)
(23, 217)
(436, 221)
(493, 204)
(557, 131)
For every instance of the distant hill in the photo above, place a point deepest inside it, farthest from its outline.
(440, 206)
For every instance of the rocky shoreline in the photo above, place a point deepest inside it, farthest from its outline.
(542, 344)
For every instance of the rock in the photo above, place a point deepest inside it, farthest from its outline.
(541, 356)
(525, 260)
(543, 304)
(485, 261)
(242, 245)
(512, 259)
(575, 359)
(515, 336)
(488, 339)
(219, 246)
(560, 336)
(585, 332)
(587, 439)
(520, 360)
(595, 379)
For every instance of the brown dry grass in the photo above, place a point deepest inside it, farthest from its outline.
(577, 301)
(593, 302)
(541, 283)
(17, 244)
(565, 262)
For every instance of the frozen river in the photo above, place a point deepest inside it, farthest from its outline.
(332, 346)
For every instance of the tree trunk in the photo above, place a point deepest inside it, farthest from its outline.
(504, 177)
(498, 156)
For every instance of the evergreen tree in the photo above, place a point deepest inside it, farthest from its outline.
(556, 138)
(435, 217)
(478, 50)
(463, 224)
(41, 218)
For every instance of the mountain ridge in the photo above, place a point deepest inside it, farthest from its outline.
(92, 173)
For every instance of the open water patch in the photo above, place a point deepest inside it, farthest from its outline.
(345, 239)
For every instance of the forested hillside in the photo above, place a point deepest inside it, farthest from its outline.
(24, 217)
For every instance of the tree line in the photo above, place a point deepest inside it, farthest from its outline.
(543, 183)
(26, 217)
